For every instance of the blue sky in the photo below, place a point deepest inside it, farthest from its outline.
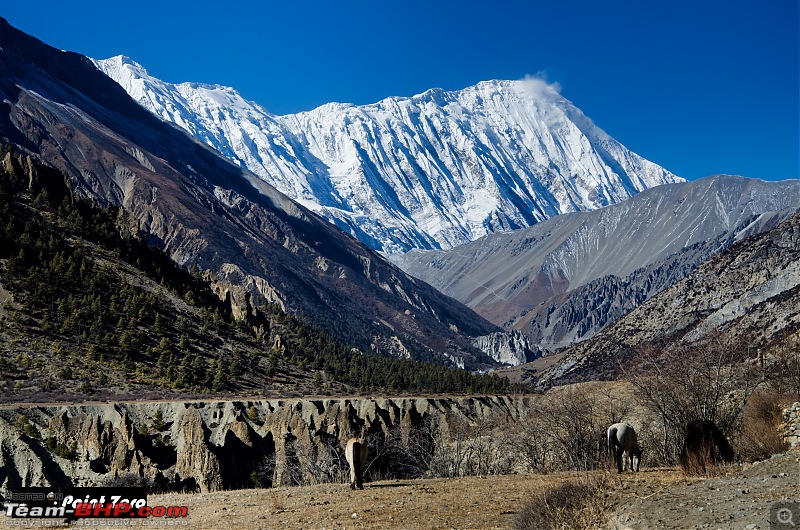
(698, 86)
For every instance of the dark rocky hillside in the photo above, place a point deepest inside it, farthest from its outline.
(89, 311)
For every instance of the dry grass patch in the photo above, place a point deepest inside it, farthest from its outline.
(761, 434)
(581, 502)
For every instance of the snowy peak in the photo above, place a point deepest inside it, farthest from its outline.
(431, 171)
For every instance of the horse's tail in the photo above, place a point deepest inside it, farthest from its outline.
(612, 439)
(357, 463)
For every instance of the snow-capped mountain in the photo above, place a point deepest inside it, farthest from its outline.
(430, 171)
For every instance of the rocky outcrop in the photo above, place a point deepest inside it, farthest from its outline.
(510, 347)
(791, 425)
(212, 445)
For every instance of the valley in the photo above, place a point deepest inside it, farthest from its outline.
(206, 300)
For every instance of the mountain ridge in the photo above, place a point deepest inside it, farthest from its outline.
(746, 297)
(203, 211)
(429, 171)
(565, 278)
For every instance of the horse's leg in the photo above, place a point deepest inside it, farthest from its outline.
(618, 458)
(352, 477)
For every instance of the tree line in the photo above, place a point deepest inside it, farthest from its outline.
(76, 277)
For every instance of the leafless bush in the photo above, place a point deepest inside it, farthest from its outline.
(463, 448)
(705, 381)
(264, 470)
(531, 441)
(129, 480)
(577, 429)
(451, 446)
(309, 463)
(783, 367)
(563, 430)
(760, 437)
(400, 452)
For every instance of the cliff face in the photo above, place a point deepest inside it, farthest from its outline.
(209, 445)
(508, 347)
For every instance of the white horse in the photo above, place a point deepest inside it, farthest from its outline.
(356, 453)
(622, 439)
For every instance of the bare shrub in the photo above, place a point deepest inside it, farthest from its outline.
(783, 367)
(760, 436)
(577, 428)
(435, 447)
(463, 448)
(264, 470)
(563, 429)
(128, 480)
(531, 441)
(309, 462)
(701, 381)
(400, 452)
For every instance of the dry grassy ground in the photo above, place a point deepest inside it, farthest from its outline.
(462, 503)
(741, 497)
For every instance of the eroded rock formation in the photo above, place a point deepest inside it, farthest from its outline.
(207, 445)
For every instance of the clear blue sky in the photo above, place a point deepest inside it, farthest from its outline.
(698, 86)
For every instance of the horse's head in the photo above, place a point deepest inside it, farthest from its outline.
(636, 458)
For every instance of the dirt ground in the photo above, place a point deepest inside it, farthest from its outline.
(462, 503)
(743, 498)
(661, 499)
(749, 497)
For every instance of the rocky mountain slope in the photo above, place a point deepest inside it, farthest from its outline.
(431, 171)
(564, 279)
(748, 295)
(205, 212)
(88, 308)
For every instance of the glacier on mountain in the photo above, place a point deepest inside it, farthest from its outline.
(431, 171)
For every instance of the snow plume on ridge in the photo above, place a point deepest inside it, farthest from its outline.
(538, 86)
(431, 171)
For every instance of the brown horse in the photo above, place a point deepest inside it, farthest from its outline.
(356, 453)
(704, 445)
